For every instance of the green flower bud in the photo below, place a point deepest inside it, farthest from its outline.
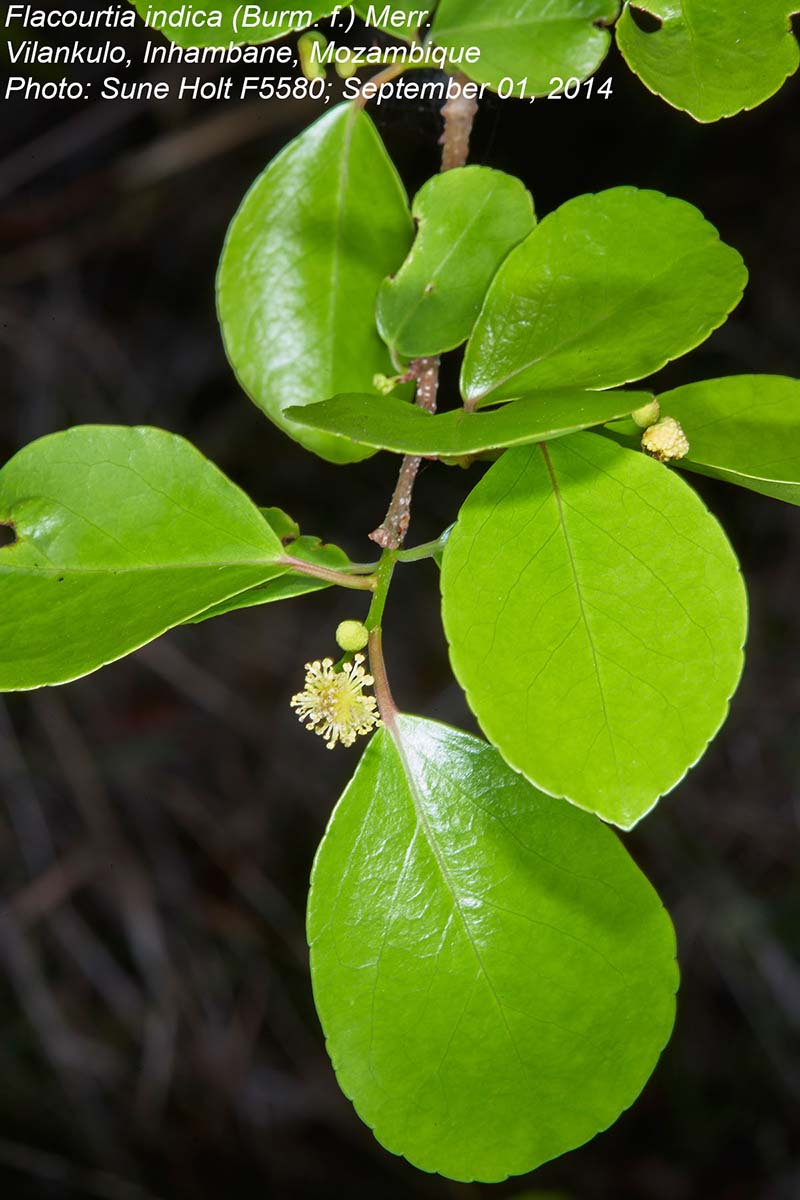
(385, 384)
(352, 636)
(647, 415)
(347, 69)
(306, 42)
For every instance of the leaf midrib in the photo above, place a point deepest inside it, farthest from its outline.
(434, 275)
(143, 568)
(582, 607)
(433, 845)
(336, 248)
(554, 352)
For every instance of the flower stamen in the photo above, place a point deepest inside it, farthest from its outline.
(332, 703)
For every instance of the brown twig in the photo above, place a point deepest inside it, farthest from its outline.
(391, 534)
(459, 116)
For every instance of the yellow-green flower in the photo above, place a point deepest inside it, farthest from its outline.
(333, 703)
(665, 440)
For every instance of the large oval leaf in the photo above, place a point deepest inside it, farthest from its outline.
(494, 975)
(744, 429)
(282, 17)
(120, 534)
(467, 221)
(407, 429)
(606, 290)
(710, 57)
(301, 268)
(596, 616)
(526, 39)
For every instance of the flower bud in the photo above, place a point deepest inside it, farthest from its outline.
(647, 415)
(385, 384)
(352, 636)
(311, 68)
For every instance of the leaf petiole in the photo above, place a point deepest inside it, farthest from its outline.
(426, 549)
(357, 580)
(383, 694)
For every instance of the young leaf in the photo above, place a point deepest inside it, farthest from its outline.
(607, 289)
(596, 617)
(744, 429)
(281, 524)
(468, 220)
(494, 975)
(119, 534)
(301, 268)
(292, 583)
(406, 429)
(710, 57)
(526, 39)
(284, 17)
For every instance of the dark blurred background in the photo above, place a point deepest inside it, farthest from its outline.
(158, 1039)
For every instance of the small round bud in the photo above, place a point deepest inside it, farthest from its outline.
(346, 69)
(311, 68)
(385, 384)
(665, 440)
(647, 415)
(352, 636)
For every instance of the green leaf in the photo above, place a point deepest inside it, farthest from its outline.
(439, 554)
(596, 616)
(710, 57)
(292, 583)
(606, 290)
(281, 524)
(120, 534)
(284, 17)
(494, 976)
(301, 268)
(526, 39)
(406, 429)
(468, 220)
(744, 429)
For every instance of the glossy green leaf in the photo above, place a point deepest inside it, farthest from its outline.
(402, 427)
(606, 290)
(279, 18)
(710, 57)
(526, 39)
(596, 617)
(744, 429)
(282, 525)
(467, 221)
(494, 976)
(292, 583)
(303, 261)
(120, 534)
